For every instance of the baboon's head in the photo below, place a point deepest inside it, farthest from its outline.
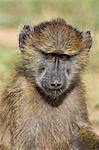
(54, 54)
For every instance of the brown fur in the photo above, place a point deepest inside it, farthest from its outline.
(27, 121)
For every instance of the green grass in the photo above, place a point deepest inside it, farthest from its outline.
(8, 57)
(82, 13)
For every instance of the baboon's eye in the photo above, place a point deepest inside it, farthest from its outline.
(64, 57)
(50, 56)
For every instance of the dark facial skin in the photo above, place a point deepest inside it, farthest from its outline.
(55, 75)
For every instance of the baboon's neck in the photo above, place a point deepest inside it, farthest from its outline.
(72, 102)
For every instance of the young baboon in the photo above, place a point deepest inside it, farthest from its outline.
(44, 105)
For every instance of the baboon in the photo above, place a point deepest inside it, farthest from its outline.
(44, 105)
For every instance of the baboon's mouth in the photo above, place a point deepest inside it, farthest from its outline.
(54, 92)
(52, 97)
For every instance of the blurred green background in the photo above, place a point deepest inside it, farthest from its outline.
(81, 14)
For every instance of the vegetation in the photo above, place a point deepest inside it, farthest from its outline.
(16, 12)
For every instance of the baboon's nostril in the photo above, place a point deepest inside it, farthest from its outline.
(56, 84)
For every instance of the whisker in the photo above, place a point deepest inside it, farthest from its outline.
(61, 90)
(54, 94)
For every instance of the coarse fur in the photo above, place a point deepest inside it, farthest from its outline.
(44, 108)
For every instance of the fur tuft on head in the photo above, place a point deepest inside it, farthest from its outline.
(55, 34)
(25, 32)
(87, 38)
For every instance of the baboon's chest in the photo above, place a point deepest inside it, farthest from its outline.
(46, 132)
(48, 135)
(46, 129)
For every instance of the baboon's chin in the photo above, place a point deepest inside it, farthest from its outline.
(53, 93)
(54, 97)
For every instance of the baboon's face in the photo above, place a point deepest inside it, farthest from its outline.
(56, 73)
(54, 54)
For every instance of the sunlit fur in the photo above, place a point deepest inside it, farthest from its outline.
(35, 118)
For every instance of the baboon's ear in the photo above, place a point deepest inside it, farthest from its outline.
(87, 39)
(25, 32)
